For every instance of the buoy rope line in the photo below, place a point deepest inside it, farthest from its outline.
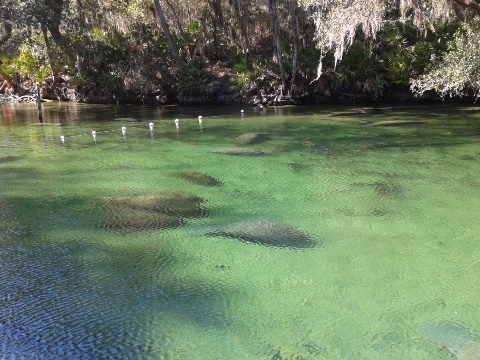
(123, 130)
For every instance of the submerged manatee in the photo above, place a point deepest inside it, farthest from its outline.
(397, 123)
(253, 138)
(170, 203)
(266, 233)
(456, 341)
(6, 159)
(241, 152)
(144, 222)
(199, 178)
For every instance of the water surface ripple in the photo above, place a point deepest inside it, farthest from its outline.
(105, 250)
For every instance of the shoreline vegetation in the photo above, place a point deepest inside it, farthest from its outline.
(254, 52)
(219, 92)
(218, 89)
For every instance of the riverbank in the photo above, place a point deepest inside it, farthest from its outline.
(219, 85)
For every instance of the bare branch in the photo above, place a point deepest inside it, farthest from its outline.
(470, 4)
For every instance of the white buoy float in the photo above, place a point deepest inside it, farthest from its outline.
(62, 138)
(124, 131)
(241, 111)
(151, 126)
(94, 135)
(200, 119)
(177, 123)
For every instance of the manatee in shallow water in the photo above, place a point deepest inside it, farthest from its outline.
(241, 152)
(266, 233)
(397, 123)
(199, 178)
(455, 340)
(253, 138)
(171, 203)
(141, 221)
(6, 159)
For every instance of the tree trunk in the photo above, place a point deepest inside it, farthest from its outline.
(242, 26)
(17, 88)
(175, 19)
(295, 34)
(216, 22)
(53, 19)
(7, 32)
(168, 37)
(50, 52)
(275, 25)
(7, 78)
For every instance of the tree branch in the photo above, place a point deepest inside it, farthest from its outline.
(472, 4)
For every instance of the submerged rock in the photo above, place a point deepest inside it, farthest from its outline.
(241, 152)
(253, 138)
(170, 203)
(266, 233)
(199, 178)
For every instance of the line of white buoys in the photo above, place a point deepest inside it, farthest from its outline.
(151, 126)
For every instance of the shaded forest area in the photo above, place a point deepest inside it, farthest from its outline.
(239, 51)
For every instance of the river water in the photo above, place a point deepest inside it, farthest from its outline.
(389, 198)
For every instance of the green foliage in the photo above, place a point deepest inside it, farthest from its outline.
(457, 72)
(193, 27)
(196, 75)
(405, 54)
(29, 61)
(119, 44)
(241, 66)
(359, 72)
(246, 76)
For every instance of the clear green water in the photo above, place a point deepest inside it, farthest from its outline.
(394, 210)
